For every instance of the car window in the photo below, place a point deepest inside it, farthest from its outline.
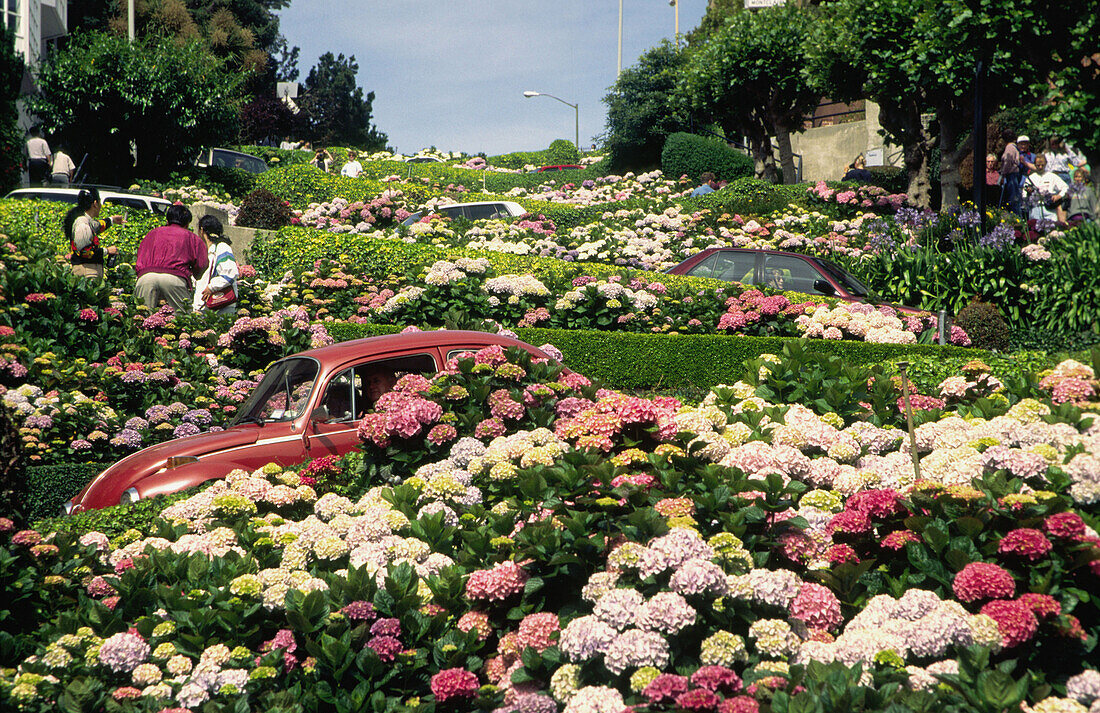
(784, 272)
(128, 202)
(705, 268)
(375, 378)
(846, 280)
(283, 392)
(487, 211)
(734, 266)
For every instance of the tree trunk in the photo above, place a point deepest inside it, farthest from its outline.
(760, 144)
(902, 122)
(786, 153)
(952, 119)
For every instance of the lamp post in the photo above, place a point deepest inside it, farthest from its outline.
(576, 110)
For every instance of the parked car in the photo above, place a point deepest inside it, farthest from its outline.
(423, 159)
(562, 167)
(780, 270)
(68, 195)
(473, 211)
(306, 406)
(228, 158)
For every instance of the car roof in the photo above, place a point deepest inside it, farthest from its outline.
(766, 251)
(335, 353)
(104, 193)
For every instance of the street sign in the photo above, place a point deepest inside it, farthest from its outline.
(757, 4)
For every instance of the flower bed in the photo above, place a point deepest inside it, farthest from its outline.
(592, 550)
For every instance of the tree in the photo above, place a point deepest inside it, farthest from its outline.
(162, 99)
(639, 114)
(11, 138)
(747, 78)
(338, 113)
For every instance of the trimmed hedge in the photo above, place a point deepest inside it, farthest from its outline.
(625, 360)
(49, 486)
(750, 196)
(115, 520)
(298, 248)
(691, 155)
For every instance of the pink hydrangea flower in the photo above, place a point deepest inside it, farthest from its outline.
(453, 683)
(817, 606)
(1025, 542)
(496, 584)
(1015, 619)
(983, 580)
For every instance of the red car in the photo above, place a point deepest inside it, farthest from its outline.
(782, 271)
(562, 167)
(306, 406)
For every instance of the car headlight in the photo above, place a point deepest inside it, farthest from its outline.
(129, 496)
(67, 507)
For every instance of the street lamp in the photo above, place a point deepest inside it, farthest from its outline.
(576, 110)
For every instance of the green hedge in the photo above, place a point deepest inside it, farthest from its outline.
(560, 152)
(691, 155)
(749, 196)
(49, 486)
(670, 361)
(298, 248)
(115, 520)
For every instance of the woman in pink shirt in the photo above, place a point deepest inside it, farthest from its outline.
(167, 260)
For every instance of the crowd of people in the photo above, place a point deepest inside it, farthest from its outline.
(185, 270)
(45, 166)
(1053, 184)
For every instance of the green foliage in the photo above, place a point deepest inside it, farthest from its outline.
(892, 179)
(691, 155)
(236, 182)
(11, 76)
(13, 484)
(750, 196)
(338, 112)
(747, 77)
(263, 209)
(113, 521)
(48, 486)
(101, 92)
(562, 153)
(546, 157)
(984, 325)
(639, 115)
(1069, 293)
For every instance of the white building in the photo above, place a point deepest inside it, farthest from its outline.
(37, 23)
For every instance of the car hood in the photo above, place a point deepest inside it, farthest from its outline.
(112, 482)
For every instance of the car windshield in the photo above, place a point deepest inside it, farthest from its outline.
(282, 394)
(849, 282)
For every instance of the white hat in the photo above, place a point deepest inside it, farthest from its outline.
(1022, 139)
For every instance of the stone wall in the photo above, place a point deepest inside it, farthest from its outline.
(827, 150)
(240, 239)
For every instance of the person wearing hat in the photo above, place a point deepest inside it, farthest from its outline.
(1027, 156)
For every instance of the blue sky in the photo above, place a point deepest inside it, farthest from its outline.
(452, 74)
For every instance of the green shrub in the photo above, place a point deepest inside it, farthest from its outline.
(1068, 300)
(263, 209)
(691, 155)
(277, 157)
(13, 484)
(115, 520)
(49, 486)
(893, 179)
(985, 326)
(749, 196)
(562, 153)
(235, 181)
(519, 159)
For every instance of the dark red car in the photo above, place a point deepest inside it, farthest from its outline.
(780, 270)
(306, 406)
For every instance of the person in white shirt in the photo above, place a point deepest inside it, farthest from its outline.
(63, 168)
(1062, 159)
(222, 273)
(38, 157)
(352, 168)
(1047, 192)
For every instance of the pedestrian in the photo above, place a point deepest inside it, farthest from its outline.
(216, 290)
(1082, 202)
(1012, 177)
(857, 171)
(322, 159)
(352, 168)
(38, 157)
(1027, 156)
(1062, 158)
(82, 226)
(63, 168)
(167, 259)
(1047, 192)
(707, 185)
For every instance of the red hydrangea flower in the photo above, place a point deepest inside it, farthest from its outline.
(852, 522)
(899, 539)
(875, 503)
(983, 580)
(839, 554)
(716, 678)
(498, 583)
(1066, 525)
(1025, 542)
(1043, 605)
(739, 704)
(453, 683)
(699, 699)
(665, 688)
(817, 606)
(1015, 620)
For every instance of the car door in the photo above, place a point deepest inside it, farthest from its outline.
(787, 272)
(351, 392)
